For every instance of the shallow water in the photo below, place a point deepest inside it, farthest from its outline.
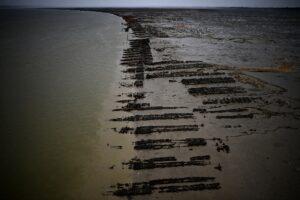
(56, 71)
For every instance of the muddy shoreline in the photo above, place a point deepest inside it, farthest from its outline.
(191, 117)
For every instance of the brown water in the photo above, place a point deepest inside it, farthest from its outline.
(56, 71)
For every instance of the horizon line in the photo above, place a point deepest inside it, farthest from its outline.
(143, 7)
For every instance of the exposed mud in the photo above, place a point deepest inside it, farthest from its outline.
(225, 101)
(154, 32)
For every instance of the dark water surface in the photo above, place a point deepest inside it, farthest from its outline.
(56, 68)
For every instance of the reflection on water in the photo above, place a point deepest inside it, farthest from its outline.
(56, 71)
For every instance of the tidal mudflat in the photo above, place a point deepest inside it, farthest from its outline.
(202, 96)
(154, 104)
